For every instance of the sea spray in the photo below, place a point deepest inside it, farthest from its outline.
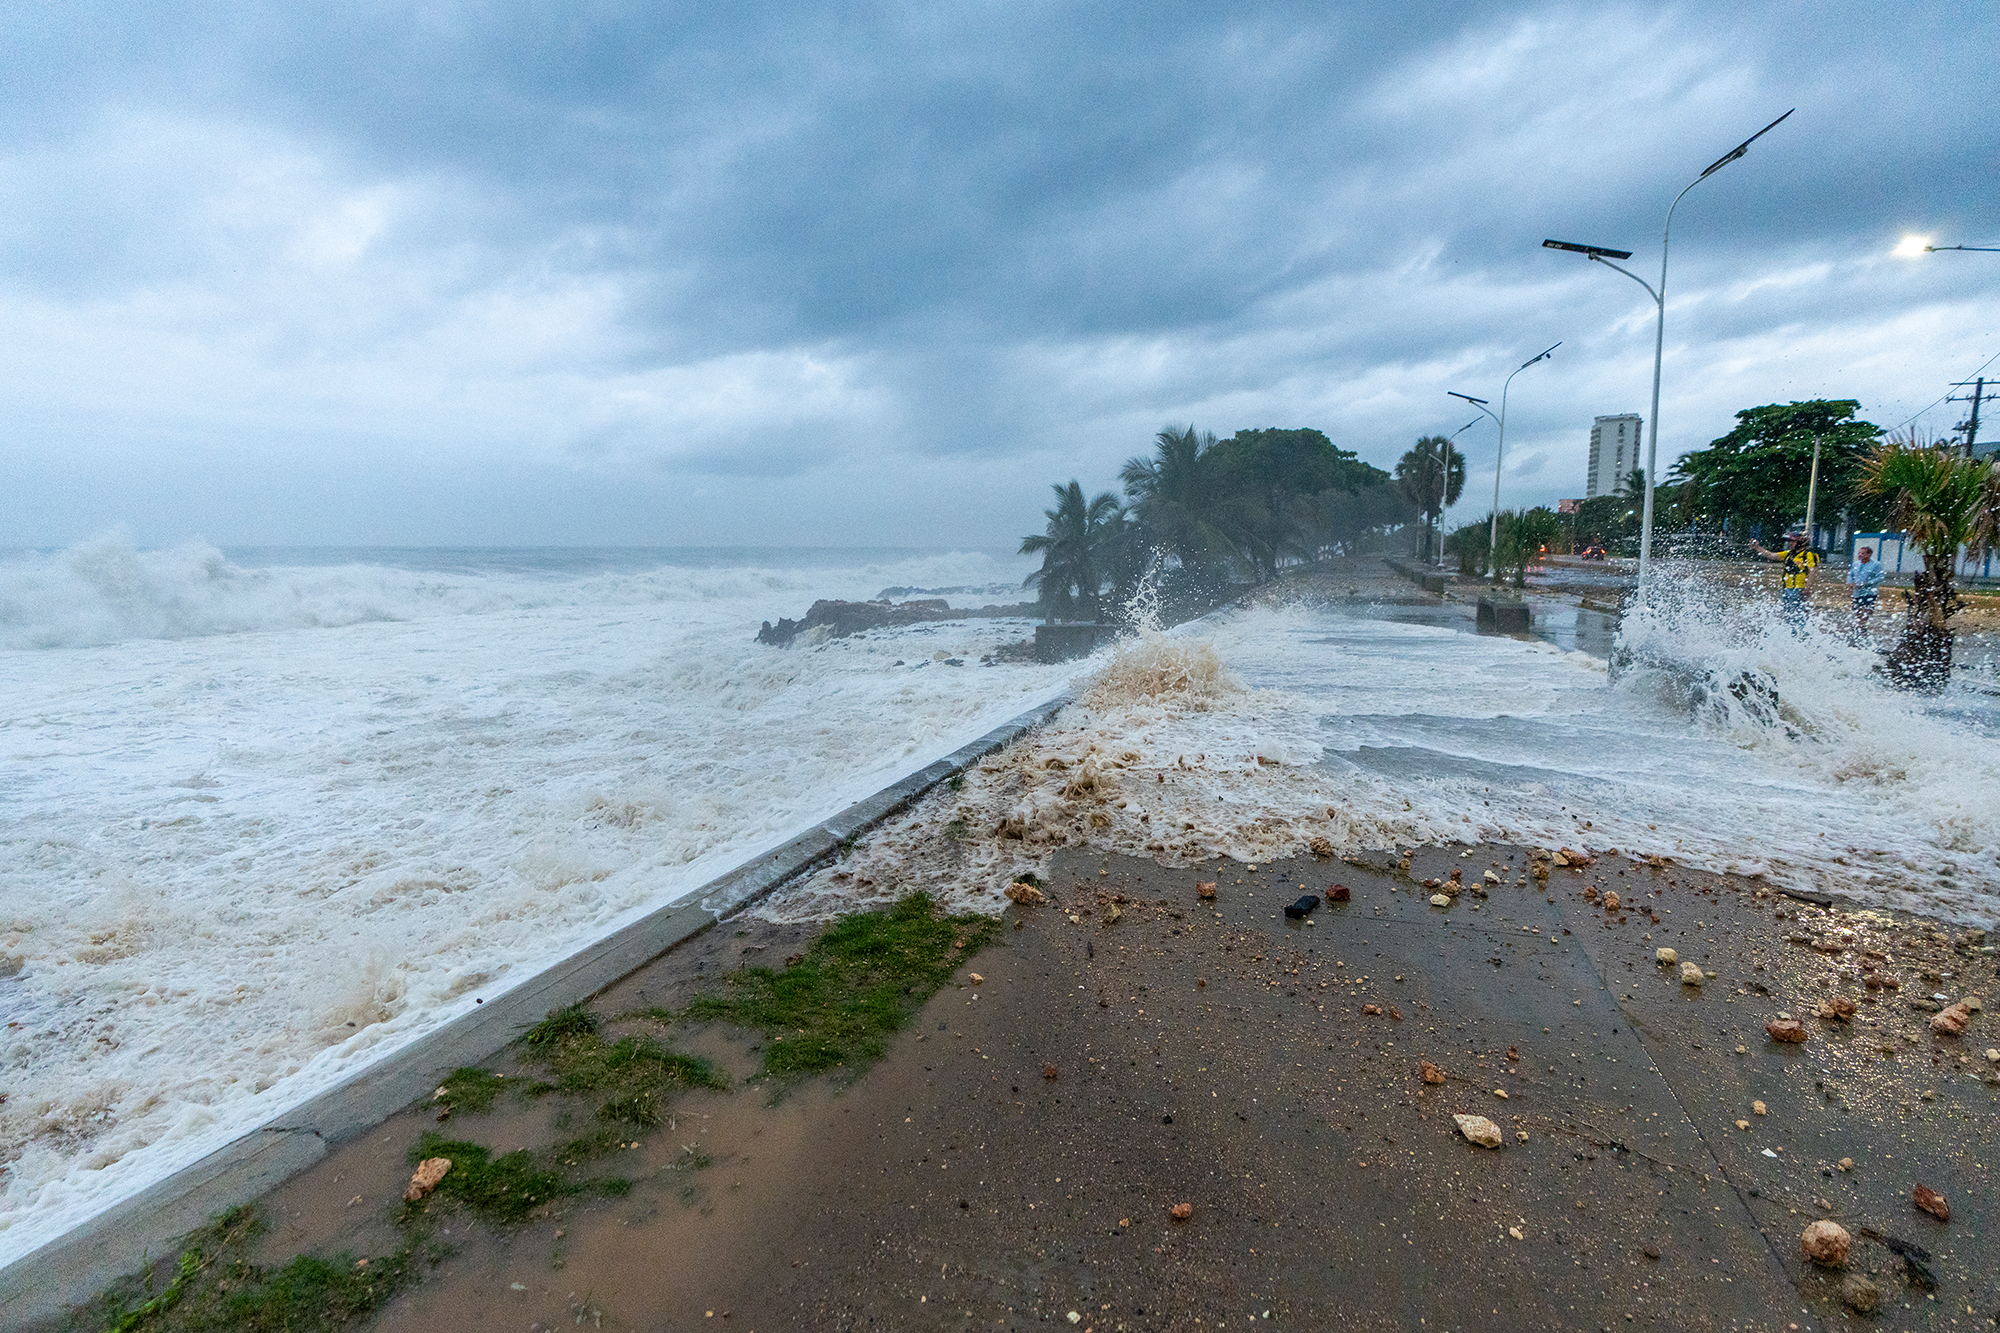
(1160, 668)
(1143, 608)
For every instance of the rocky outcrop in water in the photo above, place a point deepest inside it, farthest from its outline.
(844, 618)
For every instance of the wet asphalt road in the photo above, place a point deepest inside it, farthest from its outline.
(1014, 1159)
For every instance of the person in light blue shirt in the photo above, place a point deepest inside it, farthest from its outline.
(1865, 576)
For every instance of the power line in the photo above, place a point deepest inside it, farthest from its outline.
(1947, 394)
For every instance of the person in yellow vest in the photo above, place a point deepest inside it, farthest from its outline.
(1798, 564)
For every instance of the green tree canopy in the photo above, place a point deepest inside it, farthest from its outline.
(1758, 472)
(1271, 479)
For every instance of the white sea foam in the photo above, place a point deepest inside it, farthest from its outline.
(1278, 726)
(267, 824)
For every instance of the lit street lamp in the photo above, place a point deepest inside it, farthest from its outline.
(1598, 254)
(1913, 246)
(1499, 451)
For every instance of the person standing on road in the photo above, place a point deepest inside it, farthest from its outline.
(1865, 576)
(1798, 563)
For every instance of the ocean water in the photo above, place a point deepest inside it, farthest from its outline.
(266, 815)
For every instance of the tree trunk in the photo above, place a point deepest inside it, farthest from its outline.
(1921, 659)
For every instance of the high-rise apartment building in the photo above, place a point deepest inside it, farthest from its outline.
(1614, 452)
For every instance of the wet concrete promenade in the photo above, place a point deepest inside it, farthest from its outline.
(1014, 1159)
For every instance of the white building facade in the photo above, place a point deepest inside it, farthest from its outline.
(1614, 452)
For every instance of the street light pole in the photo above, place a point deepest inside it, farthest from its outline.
(1659, 296)
(1444, 485)
(1500, 451)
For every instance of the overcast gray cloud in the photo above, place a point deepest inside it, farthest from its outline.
(626, 273)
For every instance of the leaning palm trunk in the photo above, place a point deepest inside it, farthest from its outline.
(1921, 659)
(1946, 503)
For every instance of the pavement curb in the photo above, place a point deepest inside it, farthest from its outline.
(1430, 580)
(39, 1289)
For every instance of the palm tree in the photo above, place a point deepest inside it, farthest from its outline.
(1077, 549)
(1944, 502)
(1524, 533)
(1177, 497)
(1432, 474)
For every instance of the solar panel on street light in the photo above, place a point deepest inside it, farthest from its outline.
(1592, 250)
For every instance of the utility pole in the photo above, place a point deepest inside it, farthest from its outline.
(1978, 387)
(1812, 494)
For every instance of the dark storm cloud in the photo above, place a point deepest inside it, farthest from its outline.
(780, 241)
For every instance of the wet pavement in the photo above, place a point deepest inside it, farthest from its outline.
(1015, 1157)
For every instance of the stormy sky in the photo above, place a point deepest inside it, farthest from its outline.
(600, 273)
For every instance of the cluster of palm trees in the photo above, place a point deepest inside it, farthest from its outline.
(1210, 515)
(1432, 474)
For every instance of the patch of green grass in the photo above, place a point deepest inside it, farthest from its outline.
(860, 980)
(470, 1089)
(506, 1189)
(215, 1288)
(597, 1143)
(574, 1020)
(635, 1074)
(643, 1109)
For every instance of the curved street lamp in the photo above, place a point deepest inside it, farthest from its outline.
(1599, 255)
(1500, 450)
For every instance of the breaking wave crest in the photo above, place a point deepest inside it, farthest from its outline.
(1159, 667)
(108, 590)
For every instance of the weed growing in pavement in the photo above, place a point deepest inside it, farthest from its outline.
(858, 982)
(830, 1008)
(573, 1020)
(636, 1072)
(507, 1189)
(470, 1089)
(216, 1288)
(575, 1152)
